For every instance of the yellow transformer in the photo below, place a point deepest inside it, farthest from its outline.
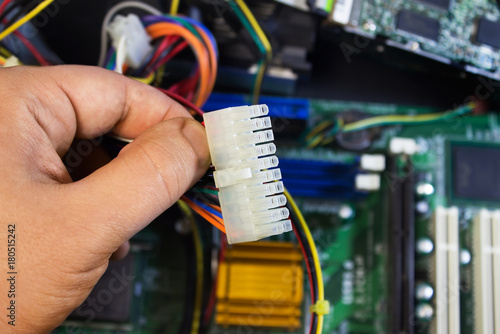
(261, 284)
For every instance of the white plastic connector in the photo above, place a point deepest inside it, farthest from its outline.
(372, 162)
(136, 38)
(406, 146)
(12, 61)
(250, 190)
(367, 182)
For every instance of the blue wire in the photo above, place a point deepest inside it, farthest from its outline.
(148, 20)
(206, 207)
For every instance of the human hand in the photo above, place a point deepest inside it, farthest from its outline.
(66, 232)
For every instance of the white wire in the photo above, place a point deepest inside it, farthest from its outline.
(109, 16)
(121, 54)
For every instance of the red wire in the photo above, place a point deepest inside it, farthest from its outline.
(32, 49)
(182, 101)
(170, 55)
(308, 267)
(4, 5)
(164, 44)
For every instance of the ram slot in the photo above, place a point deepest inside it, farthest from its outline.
(453, 271)
(401, 250)
(485, 272)
(446, 271)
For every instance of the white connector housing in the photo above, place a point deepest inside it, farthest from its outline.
(406, 146)
(250, 190)
(137, 39)
(12, 61)
(372, 162)
(367, 182)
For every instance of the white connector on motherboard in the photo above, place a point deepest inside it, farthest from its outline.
(136, 39)
(250, 190)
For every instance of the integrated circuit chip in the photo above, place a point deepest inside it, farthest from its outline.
(488, 33)
(441, 4)
(418, 24)
(475, 172)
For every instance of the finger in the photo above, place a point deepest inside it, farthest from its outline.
(148, 176)
(88, 102)
(121, 252)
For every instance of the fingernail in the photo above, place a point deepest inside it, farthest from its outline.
(196, 135)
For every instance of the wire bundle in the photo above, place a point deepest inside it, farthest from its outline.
(182, 32)
(319, 306)
(14, 14)
(324, 133)
(171, 35)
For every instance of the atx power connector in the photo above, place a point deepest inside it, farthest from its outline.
(136, 38)
(250, 190)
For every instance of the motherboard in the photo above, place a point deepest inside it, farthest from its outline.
(463, 33)
(405, 217)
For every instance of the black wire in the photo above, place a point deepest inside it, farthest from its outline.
(13, 5)
(202, 197)
(21, 13)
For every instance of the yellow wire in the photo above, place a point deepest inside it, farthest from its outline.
(159, 76)
(148, 80)
(255, 25)
(174, 7)
(314, 251)
(2, 60)
(258, 83)
(195, 326)
(318, 128)
(397, 119)
(316, 141)
(5, 52)
(25, 19)
(265, 42)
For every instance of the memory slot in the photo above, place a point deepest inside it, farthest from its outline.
(486, 250)
(446, 270)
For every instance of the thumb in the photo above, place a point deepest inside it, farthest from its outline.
(148, 176)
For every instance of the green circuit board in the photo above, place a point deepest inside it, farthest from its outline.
(451, 31)
(353, 235)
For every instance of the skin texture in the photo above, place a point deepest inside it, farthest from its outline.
(67, 231)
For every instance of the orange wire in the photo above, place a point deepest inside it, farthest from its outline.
(161, 29)
(215, 221)
(213, 57)
(2, 62)
(215, 207)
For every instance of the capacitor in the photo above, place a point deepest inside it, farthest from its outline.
(424, 312)
(424, 292)
(424, 246)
